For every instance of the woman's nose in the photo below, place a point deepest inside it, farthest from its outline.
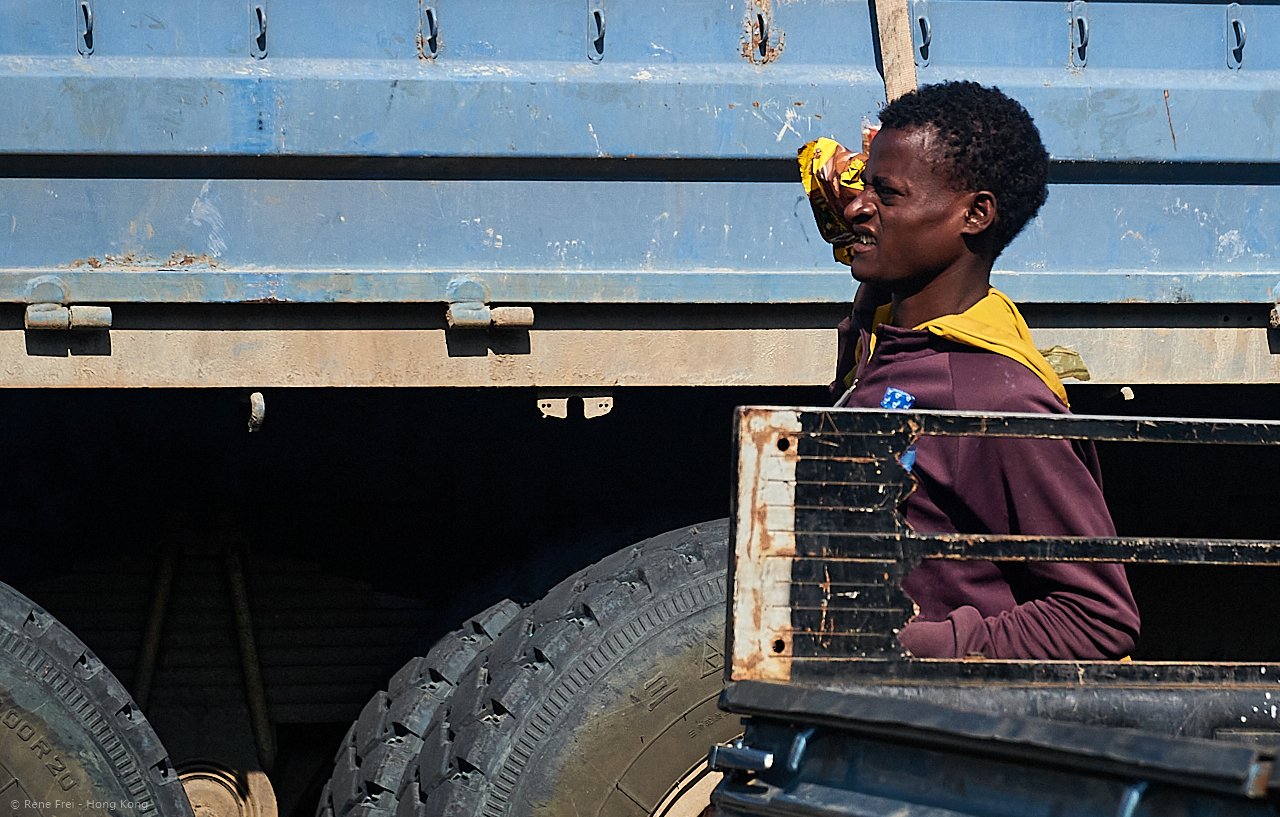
(859, 209)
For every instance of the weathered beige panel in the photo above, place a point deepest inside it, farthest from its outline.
(195, 358)
(765, 545)
(1135, 356)
(418, 357)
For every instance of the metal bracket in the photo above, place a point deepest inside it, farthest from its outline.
(1235, 37)
(595, 30)
(258, 29)
(1275, 310)
(555, 402)
(428, 31)
(84, 27)
(1079, 17)
(762, 39)
(921, 32)
(726, 758)
(469, 306)
(798, 744)
(257, 411)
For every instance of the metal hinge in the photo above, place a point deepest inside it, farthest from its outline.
(469, 306)
(59, 316)
(47, 307)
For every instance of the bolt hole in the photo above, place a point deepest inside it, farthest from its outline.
(784, 444)
(779, 645)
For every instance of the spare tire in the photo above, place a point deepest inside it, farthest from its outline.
(72, 741)
(599, 699)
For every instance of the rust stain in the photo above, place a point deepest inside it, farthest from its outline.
(1169, 117)
(826, 626)
(761, 40)
(761, 637)
(181, 259)
(134, 261)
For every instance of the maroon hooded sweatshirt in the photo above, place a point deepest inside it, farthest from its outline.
(1037, 610)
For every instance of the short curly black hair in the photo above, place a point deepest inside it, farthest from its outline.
(988, 143)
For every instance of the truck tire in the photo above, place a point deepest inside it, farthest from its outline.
(383, 744)
(599, 699)
(72, 741)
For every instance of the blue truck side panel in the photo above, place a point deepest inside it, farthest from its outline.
(510, 82)
(639, 242)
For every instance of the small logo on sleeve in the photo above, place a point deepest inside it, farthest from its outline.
(899, 399)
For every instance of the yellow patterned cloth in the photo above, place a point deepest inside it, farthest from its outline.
(832, 177)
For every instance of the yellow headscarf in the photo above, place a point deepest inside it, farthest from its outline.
(832, 176)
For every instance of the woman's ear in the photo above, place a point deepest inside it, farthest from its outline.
(980, 214)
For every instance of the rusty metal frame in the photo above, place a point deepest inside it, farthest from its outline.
(820, 550)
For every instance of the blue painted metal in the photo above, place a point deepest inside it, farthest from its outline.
(513, 78)
(373, 108)
(230, 240)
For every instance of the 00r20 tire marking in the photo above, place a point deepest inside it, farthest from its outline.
(17, 724)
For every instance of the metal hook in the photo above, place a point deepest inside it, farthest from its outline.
(1079, 33)
(257, 411)
(86, 33)
(1130, 799)
(595, 30)
(430, 33)
(261, 14)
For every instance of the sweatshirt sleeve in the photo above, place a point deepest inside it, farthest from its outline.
(1064, 610)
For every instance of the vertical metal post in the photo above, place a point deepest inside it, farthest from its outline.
(150, 648)
(263, 735)
(897, 49)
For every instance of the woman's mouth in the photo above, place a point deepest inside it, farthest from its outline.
(862, 242)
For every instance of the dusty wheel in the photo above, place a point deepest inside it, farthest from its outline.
(599, 699)
(72, 742)
(381, 748)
